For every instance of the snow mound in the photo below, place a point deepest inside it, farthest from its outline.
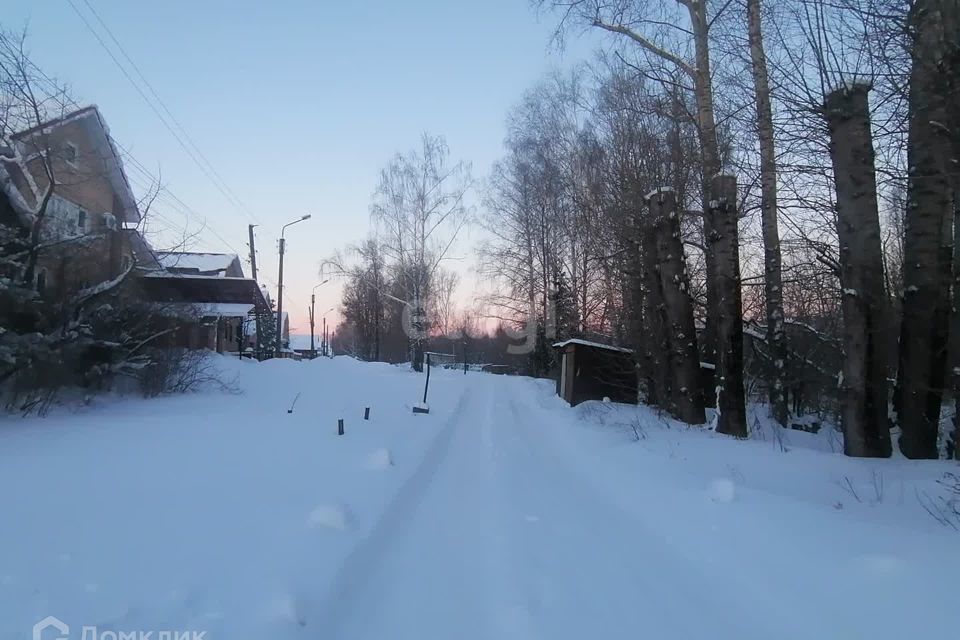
(284, 607)
(329, 516)
(379, 460)
(722, 490)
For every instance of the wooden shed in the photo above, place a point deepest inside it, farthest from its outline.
(594, 371)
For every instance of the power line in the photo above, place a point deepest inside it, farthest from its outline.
(165, 195)
(223, 189)
(171, 198)
(173, 118)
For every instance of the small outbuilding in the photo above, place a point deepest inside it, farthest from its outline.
(594, 371)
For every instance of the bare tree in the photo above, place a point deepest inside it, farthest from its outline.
(419, 209)
(773, 278)
(441, 306)
(665, 32)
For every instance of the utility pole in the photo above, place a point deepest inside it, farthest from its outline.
(313, 307)
(256, 312)
(253, 251)
(313, 302)
(279, 343)
(323, 343)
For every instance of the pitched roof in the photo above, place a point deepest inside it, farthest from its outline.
(202, 290)
(594, 345)
(99, 133)
(215, 264)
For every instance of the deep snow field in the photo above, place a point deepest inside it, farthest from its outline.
(501, 514)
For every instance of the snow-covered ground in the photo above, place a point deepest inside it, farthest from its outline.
(501, 514)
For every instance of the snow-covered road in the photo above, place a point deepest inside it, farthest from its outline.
(503, 514)
(496, 536)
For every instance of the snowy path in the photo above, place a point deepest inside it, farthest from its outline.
(497, 538)
(504, 514)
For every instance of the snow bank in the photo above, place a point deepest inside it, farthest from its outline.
(210, 511)
(837, 538)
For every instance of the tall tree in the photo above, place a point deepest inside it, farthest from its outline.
(928, 238)
(664, 32)
(420, 210)
(864, 402)
(772, 261)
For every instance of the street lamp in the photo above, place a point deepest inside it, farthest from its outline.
(313, 304)
(280, 284)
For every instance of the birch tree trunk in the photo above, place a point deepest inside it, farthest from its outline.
(866, 432)
(710, 146)
(684, 359)
(927, 237)
(773, 281)
(724, 244)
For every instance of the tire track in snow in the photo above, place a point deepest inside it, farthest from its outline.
(362, 561)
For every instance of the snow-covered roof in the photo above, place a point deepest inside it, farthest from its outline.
(205, 263)
(227, 309)
(203, 309)
(587, 343)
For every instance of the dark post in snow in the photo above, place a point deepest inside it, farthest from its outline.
(366, 413)
(423, 408)
(724, 244)
(426, 385)
(340, 426)
(686, 398)
(866, 432)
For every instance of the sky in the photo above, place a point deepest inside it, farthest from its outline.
(292, 108)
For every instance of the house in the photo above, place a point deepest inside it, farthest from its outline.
(89, 207)
(594, 371)
(89, 234)
(211, 290)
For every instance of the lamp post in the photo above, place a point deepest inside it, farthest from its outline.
(280, 285)
(313, 306)
(323, 345)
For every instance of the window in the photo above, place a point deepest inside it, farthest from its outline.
(42, 282)
(81, 220)
(70, 154)
(109, 221)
